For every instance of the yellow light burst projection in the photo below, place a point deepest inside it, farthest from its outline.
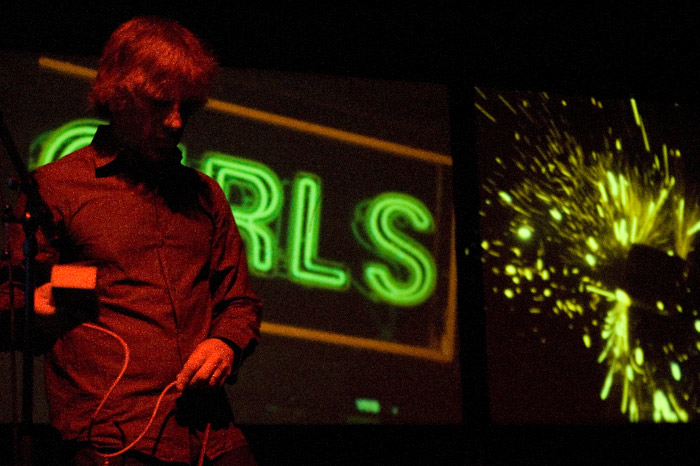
(592, 222)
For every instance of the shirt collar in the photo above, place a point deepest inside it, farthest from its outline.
(111, 156)
(107, 148)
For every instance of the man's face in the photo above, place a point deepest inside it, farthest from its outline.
(152, 126)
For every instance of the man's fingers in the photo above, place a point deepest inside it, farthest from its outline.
(193, 364)
(224, 375)
(209, 365)
(204, 374)
(219, 376)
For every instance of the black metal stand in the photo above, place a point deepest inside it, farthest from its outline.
(30, 251)
(37, 216)
(7, 218)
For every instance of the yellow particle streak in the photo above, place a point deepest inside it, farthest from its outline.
(640, 123)
(603, 193)
(485, 113)
(676, 371)
(507, 104)
(605, 391)
(694, 229)
(682, 414)
(592, 243)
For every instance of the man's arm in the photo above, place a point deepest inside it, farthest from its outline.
(236, 312)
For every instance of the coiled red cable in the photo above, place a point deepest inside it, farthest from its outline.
(155, 410)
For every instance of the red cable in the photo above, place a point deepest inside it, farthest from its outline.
(204, 444)
(155, 410)
(121, 373)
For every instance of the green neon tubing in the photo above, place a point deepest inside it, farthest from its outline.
(66, 139)
(367, 405)
(383, 215)
(304, 264)
(70, 137)
(262, 199)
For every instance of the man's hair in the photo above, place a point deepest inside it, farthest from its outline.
(155, 57)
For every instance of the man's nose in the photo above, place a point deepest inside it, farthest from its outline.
(173, 120)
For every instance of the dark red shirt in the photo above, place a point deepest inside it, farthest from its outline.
(171, 272)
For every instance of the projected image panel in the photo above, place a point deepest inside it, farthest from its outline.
(341, 190)
(589, 216)
(341, 218)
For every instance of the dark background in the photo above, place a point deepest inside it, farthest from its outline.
(650, 50)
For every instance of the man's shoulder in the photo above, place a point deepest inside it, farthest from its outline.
(71, 165)
(212, 192)
(211, 184)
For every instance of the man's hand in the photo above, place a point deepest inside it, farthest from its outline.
(43, 300)
(209, 365)
(71, 281)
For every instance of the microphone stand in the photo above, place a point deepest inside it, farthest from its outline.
(7, 218)
(37, 216)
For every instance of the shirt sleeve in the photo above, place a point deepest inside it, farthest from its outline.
(236, 308)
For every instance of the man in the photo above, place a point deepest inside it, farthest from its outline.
(172, 280)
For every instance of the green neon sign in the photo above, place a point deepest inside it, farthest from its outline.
(74, 135)
(304, 264)
(260, 199)
(406, 277)
(411, 277)
(367, 405)
(68, 138)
